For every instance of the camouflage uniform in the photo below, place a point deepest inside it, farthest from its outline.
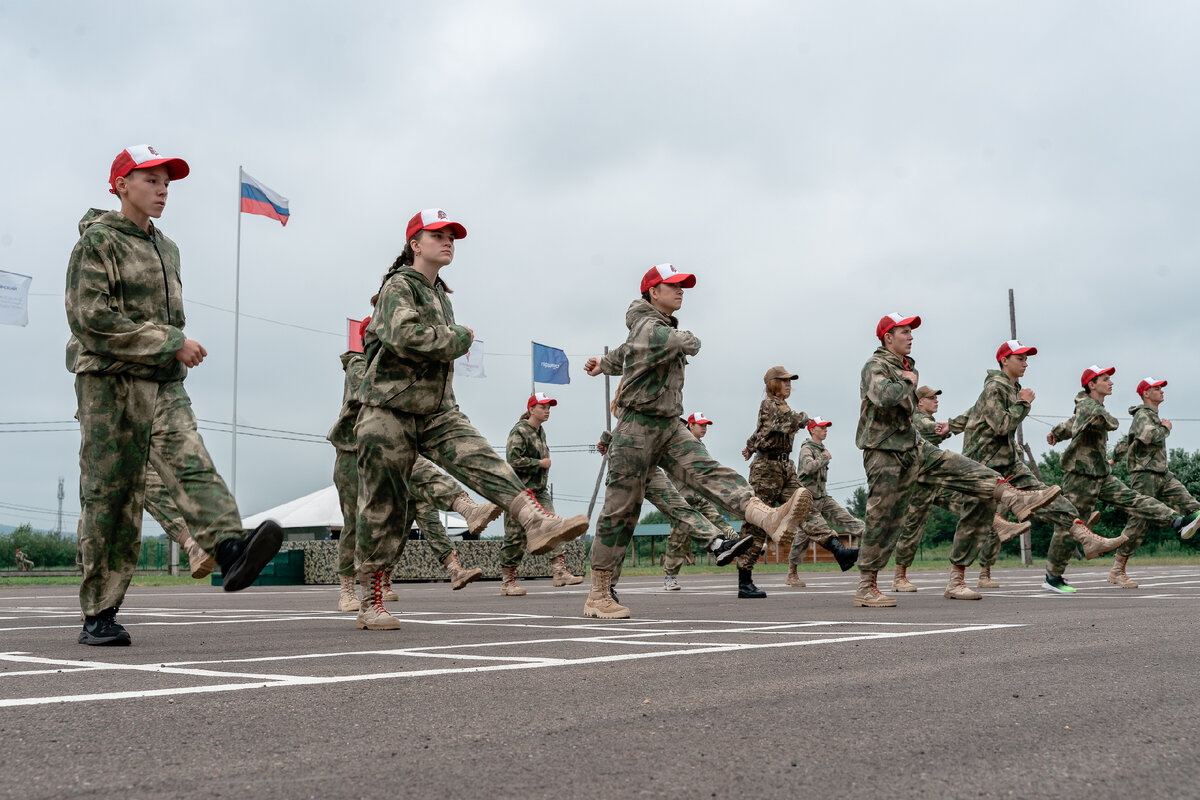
(1088, 478)
(772, 473)
(524, 450)
(896, 457)
(693, 519)
(345, 464)
(125, 310)
(924, 498)
(649, 432)
(1145, 451)
(24, 562)
(409, 408)
(812, 472)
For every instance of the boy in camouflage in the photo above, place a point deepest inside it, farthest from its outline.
(528, 454)
(812, 469)
(1088, 478)
(1144, 449)
(895, 457)
(408, 408)
(650, 433)
(24, 562)
(130, 355)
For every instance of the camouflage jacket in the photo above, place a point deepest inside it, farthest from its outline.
(1088, 428)
(651, 362)
(812, 468)
(926, 426)
(1145, 446)
(411, 343)
(124, 300)
(777, 426)
(524, 451)
(706, 509)
(341, 435)
(888, 402)
(993, 421)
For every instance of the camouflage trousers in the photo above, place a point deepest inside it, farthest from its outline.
(687, 524)
(513, 550)
(1084, 491)
(640, 443)
(1161, 486)
(388, 444)
(921, 501)
(160, 505)
(891, 476)
(816, 527)
(126, 423)
(774, 482)
(1060, 514)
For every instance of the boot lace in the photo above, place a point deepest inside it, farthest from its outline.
(377, 593)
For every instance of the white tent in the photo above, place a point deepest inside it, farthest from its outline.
(322, 509)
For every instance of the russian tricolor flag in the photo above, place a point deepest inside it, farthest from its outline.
(258, 199)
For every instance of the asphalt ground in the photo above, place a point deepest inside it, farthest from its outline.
(269, 693)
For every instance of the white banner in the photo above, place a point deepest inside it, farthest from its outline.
(14, 298)
(471, 365)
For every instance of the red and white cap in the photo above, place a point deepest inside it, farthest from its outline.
(1149, 383)
(143, 156)
(540, 399)
(1014, 348)
(698, 418)
(1091, 373)
(666, 273)
(894, 320)
(432, 219)
(817, 422)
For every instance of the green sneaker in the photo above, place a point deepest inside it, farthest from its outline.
(1187, 525)
(1057, 583)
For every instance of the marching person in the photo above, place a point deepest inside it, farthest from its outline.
(812, 470)
(24, 562)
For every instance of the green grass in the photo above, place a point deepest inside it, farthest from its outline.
(138, 580)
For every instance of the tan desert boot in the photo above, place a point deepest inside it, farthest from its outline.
(199, 562)
(460, 577)
(388, 595)
(347, 599)
(508, 583)
(544, 531)
(868, 594)
(778, 521)
(1117, 573)
(985, 579)
(900, 581)
(562, 575)
(372, 616)
(1094, 545)
(793, 578)
(1007, 531)
(600, 602)
(957, 588)
(1023, 502)
(477, 516)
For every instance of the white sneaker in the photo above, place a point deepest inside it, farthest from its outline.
(670, 584)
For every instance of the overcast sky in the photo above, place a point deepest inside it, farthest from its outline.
(816, 165)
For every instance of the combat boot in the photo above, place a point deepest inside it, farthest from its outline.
(372, 616)
(199, 562)
(243, 557)
(793, 578)
(347, 599)
(1007, 531)
(846, 557)
(985, 579)
(477, 516)
(103, 629)
(1094, 545)
(746, 587)
(778, 521)
(1023, 502)
(600, 602)
(562, 575)
(868, 594)
(1117, 573)
(544, 531)
(726, 550)
(508, 583)
(388, 595)
(460, 577)
(900, 581)
(957, 588)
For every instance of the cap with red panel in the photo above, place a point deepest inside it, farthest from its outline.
(894, 320)
(817, 422)
(698, 418)
(540, 399)
(666, 273)
(1014, 348)
(356, 333)
(143, 156)
(433, 219)
(1149, 383)
(1091, 373)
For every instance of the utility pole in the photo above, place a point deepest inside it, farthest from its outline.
(607, 427)
(61, 495)
(1026, 539)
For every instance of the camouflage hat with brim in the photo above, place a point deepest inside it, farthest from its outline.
(926, 391)
(779, 373)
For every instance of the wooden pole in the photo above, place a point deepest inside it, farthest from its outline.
(1026, 539)
(607, 427)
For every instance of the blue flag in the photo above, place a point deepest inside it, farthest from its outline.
(549, 365)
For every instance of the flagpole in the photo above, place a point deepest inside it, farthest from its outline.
(237, 316)
(532, 367)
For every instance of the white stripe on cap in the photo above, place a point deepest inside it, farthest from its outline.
(819, 421)
(1152, 380)
(141, 153)
(1014, 344)
(1095, 368)
(432, 215)
(540, 397)
(666, 270)
(896, 317)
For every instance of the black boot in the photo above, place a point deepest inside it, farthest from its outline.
(729, 549)
(746, 587)
(846, 556)
(103, 629)
(242, 559)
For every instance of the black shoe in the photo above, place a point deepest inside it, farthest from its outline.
(242, 559)
(846, 557)
(729, 549)
(746, 587)
(1057, 583)
(612, 590)
(103, 629)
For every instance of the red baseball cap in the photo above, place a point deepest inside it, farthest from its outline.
(538, 399)
(143, 156)
(1091, 373)
(817, 422)
(1149, 383)
(894, 320)
(698, 418)
(432, 219)
(1014, 348)
(666, 273)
